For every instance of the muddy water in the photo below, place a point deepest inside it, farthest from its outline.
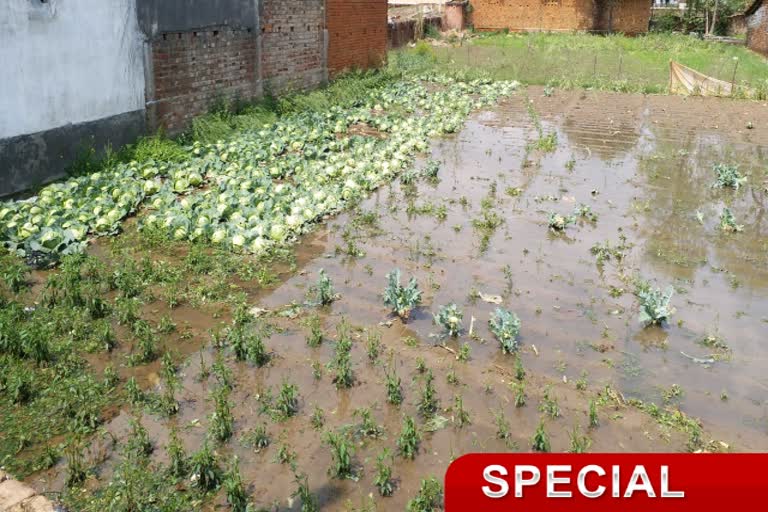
(643, 164)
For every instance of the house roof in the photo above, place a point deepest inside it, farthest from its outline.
(753, 8)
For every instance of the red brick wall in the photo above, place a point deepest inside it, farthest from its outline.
(629, 16)
(293, 41)
(193, 69)
(757, 30)
(357, 32)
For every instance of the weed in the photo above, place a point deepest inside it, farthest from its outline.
(581, 382)
(111, 378)
(540, 442)
(287, 404)
(449, 317)
(135, 395)
(368, 426)
(451, 377)
(178, 464)
(257, 438)
(728, 176)
(594, 421)
(221, 371)
(519, 369)
(285, 455)
(460, 414)
(315, 336)
(502, 425)
(14, 273)
(76, 471)
(402, 299)
(429, 498)
(421, 365)
(221, 420)
(520, 396)
(394, 388)
(373, 345)
(323, 290)
(383, 479)
(317, 420)
(409, 440)
(579, 443)
(342, 360)
(234, 488)
(429, 403)
(728, 222)
(505, 325)
(205, 473)
(317, 370)
(342, 452)
(304, 495)
(138, 445)
(464, 352)
(549, 405)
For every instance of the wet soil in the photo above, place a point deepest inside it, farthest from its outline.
(644, 166)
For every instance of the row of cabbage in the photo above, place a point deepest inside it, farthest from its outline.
(258, 189)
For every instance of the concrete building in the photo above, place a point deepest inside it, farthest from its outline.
(91, 73)
(756, 17)
(627, 16)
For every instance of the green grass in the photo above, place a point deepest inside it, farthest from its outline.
(616, 63)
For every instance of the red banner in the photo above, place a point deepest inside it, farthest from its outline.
(640, 482)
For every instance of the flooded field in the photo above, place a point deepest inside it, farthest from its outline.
(479, 236)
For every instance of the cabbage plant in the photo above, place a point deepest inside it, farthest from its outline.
(655, 305)
(505, 325)
(728, 176)
(449, 317)
(558, 222)
(402, 299)
(728, 222)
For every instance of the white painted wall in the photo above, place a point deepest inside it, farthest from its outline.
(67, 61)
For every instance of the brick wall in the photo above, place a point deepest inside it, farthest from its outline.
(757, 30)
(629, 16)
(293, 44)
(357, 31)
(195, 68)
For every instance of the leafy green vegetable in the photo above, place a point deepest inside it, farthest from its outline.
(728, 176)
(450, 317)
(402, 299)
(654, 305)
(505, 325)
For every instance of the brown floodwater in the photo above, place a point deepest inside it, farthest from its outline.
(644, 166)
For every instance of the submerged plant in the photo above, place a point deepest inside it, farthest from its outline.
(409, 440)
(221, 420)
(304, 495)
(368, 426)
(257, 438)
(655, 305)
(342, 361)
(342, 452)
(315, 336)
(429, 498)
(585, 211)
(177, 457)
(402, 299)
(323, 290)
(728, 176)
(234, 488)
(429, 402)
(205, 473)
(383, 479)
(580, 443)
(394, 388)
(558, 222)
(505, 325)
(540, 442)
(728, 222)
(449, 317)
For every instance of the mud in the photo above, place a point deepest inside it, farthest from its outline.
(644, 166)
